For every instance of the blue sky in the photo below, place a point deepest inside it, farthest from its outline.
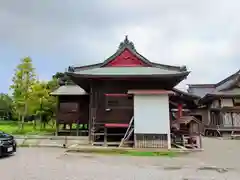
(203, 35)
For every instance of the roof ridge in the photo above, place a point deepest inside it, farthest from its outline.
(227, 78)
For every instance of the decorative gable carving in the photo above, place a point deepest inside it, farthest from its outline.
(125, 59)
(126, 56)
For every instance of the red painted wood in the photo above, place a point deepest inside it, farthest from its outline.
(126, 59)
(116, 125)
(180, 110)
(117, 95)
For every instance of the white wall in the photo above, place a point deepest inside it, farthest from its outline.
(151, 114)
(226, 102)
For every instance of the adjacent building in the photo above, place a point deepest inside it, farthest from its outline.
(219, 105)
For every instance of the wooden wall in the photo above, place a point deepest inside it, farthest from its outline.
(117, 115)
(73, 108)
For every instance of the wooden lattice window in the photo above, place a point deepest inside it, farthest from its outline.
(119, 102)
(68, 107)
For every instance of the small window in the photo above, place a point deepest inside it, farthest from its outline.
(236, 101)
(68, 107)
(118, 102)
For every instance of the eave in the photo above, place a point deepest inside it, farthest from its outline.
(183, 75)
(85, 80)
(210, 97)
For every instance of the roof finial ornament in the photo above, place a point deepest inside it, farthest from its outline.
(70, 69)
(126, 41)
(126, 44)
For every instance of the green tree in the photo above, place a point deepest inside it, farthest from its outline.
(62, 78)
(52, 85)
(58, 75)
(38, 95)
(22, 82)
(6, 109)
(42, 103)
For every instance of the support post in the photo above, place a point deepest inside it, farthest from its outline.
(57, 128)
(90, 138)
(105, 136)
(180, 111)
(200, 141)
(77, 128)
(169, 140)
(57, 111)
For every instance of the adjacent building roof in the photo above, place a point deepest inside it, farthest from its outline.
(69, 90)
(225, 88)
(226, 93)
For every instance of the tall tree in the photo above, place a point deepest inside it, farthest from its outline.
(22, 82)
(39, 95)
(52, 85)
(42, 104)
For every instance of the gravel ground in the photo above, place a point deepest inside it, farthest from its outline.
(54, 164)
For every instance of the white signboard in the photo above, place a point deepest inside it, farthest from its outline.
(151, 114)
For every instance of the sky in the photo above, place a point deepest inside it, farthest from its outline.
(203, 35)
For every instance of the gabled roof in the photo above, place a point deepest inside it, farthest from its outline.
(228, 78)
(235, 83)
(221, 88)
(127, 45)
(233, 93)
(199, 90)
(226, 93)
(229, 89)
(69, 90)
(126, 62)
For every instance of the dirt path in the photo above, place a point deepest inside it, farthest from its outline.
(219, 161)
(220, 152)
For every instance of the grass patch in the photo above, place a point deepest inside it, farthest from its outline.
(12, 127)
(126, 152)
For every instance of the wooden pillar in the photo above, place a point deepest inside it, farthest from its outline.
(77, 133)
(57, 128)
(90, 137)
(105, 136)
(57, 110)
(180, 111)
(200, 138)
